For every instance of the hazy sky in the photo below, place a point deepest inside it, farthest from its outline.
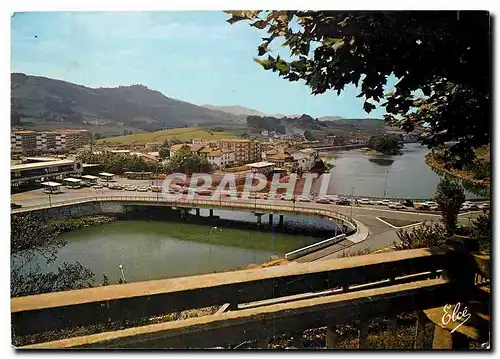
(192, 56)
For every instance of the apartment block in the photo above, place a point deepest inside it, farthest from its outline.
(45, 140)
(244, 150)
(23, 140)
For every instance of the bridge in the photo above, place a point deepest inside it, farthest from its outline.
(255, 306)
(365, 219)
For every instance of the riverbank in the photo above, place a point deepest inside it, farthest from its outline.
(62, 225)
(462, 175)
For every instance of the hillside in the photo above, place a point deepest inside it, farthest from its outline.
(182, 134)
(41, 99)
(236, 110)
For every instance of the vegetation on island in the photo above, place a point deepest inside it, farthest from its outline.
(385, 144)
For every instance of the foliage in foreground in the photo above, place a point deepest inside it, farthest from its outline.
(440, 61)
(449, 196)
(32, 240)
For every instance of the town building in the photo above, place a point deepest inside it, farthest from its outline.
(245, 150)
(30, 172)
(23, 140)
(263, 167)
(305, 158)
(220, 158)
(60, 140)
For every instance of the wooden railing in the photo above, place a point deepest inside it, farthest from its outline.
(261, 303)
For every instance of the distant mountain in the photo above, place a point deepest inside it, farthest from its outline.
(44, 100)
(236, 110)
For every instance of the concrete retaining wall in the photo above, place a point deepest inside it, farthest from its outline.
(314, 247)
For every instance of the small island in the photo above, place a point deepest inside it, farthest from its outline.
(383, 145)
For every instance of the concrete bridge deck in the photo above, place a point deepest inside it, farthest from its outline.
(373, 234)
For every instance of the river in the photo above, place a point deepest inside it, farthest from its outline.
(408, 176)
(154, 249)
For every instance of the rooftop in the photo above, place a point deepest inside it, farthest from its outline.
(90, 177)
(51, 184)
(262, 164)
(30, 166)
(72, 180)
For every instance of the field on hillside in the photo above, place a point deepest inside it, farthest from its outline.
(184, 134)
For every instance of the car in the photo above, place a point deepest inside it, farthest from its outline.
(156, 189)
(396, 206)
(323, 200)
(423, 207)
(384, 202)
(263, 195)
(484, 206)
(304, 199)
(407, 202)
(343, 202)
(434, 208)
(253, 195)
(430, 203)
(142, 188)
(98, 186)
(15, 205)
(288, 197)
(130, 188)
(474, 207)
(364, 201)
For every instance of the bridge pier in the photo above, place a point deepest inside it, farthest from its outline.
(259, 218)
(281, 221)
(271, 219)
(197, 211)
(211, 212)
(183, 213)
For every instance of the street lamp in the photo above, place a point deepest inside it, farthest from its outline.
(123, 274)
(385, 183)
(352, 197)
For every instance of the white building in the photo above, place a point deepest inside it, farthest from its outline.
(305, 158)
(220, 158)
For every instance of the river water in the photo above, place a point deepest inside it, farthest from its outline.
(153, 249)
(408, 176)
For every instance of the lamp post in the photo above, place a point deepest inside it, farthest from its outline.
(123, 274)
(352, 197)
(385, 183)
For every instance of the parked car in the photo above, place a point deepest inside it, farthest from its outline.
(434, 208)
(156, 189)
(288, 197)
(407, 202)
(15, 205)
(304, 199)
(423, 207)
(484, 206)
(130, 188)
(323, 200)
(474, 207)
(98, 186)
(364, 201)
(142, 188)
(430, 203)
(384, 202)
(396, 206)
(343, 202)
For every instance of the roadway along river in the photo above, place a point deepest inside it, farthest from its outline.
(161, 249)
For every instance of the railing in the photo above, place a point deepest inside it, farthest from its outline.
(199, 202)
(262, 303)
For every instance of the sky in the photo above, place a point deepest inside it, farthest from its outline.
(192, 56)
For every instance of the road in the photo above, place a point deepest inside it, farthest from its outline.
(381, 234)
